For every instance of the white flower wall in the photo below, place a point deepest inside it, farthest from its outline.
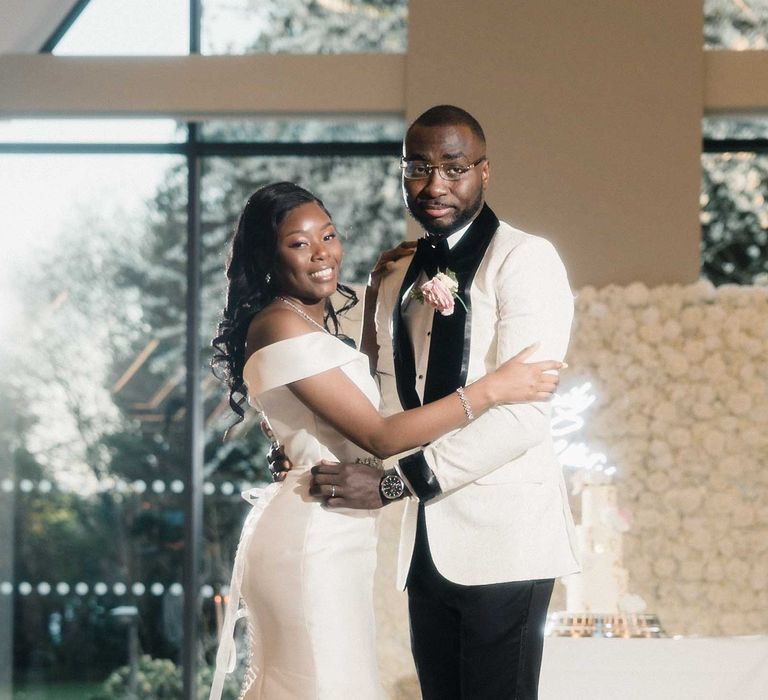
(681, 378)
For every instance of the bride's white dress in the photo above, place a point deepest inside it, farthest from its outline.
(305, 572)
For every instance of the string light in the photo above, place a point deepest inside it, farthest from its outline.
(118, 487)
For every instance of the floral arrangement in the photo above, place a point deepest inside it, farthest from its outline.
(439, 292)
(681, 380)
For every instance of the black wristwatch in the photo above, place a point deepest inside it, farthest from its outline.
(391, 485)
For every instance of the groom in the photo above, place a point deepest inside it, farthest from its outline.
(486, 528)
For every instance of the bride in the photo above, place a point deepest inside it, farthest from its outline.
(304, 569)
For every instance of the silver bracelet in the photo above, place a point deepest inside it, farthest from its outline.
(465, 404)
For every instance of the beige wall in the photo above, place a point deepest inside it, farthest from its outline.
(592, 112)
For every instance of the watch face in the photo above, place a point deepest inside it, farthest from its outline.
(392, 487)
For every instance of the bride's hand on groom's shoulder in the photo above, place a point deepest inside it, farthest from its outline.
(387, 260)
(346, 485)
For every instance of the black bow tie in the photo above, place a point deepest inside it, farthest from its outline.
(432, 254)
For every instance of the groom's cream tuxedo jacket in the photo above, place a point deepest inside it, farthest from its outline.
(496, 505)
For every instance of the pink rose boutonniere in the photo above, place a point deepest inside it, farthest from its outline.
(439, 293)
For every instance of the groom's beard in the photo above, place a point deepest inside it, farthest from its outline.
(434, 228)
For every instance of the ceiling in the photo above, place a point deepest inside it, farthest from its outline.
(25, 25)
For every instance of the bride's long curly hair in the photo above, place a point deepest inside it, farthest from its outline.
(251, 281)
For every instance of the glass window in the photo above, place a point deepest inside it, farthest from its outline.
(734, 216)
(736, 24)
(92, 131)
(735, 127)
(136, 28)
(92, 435)
(304, 26)
(93, 280)
(305, 130)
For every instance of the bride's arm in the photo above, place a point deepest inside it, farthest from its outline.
(335, 398)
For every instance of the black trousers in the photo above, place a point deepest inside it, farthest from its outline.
(474, 642)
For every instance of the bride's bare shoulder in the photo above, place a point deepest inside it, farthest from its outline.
(271, 325)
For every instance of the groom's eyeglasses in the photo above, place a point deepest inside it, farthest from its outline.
(421, 170)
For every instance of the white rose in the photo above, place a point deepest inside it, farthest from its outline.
(717, 595)
(586, 295)
(667, 411)
(714, 366)
(672, 330)
(752, 347)
(752, 436)
(725, 546)
(664, 567)
(679, 437)
(651, 333)
(691, 317)
(713, 571)
(687, 500)
(714, 443)
(758, 574)
(738, 569)
(744, 516)
(712, 342)
(715, 318)
(650, 316)
(626, 326)
(637, 425)
(691, 570)
(701, 540)
(695, 350)
(597, 309)
(657, 482)
(677, 365)
(739, 404)
(731, 465)
(720, 503)
(637, 294)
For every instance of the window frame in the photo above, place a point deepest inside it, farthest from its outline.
(194, 149)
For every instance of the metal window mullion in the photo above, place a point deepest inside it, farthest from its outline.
(195, 30)
(320, 148)
(735, 145)
(94, 148)
(58, 34)
(194, 427)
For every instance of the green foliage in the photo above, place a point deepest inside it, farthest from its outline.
(313, 26)
(736, 24)
(734, 218)
(159, 679)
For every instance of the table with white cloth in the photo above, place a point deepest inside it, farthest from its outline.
(701, 668)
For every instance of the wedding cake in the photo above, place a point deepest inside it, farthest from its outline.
(598, 602)
(602, 587)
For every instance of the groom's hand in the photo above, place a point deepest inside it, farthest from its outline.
(347, 485)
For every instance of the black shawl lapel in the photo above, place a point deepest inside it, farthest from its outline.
(405, 365)
(450, 341)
